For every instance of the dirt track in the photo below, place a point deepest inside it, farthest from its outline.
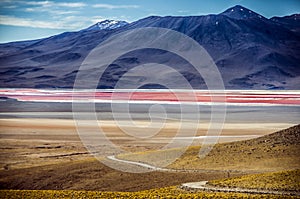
(92, 175)
(202, 185)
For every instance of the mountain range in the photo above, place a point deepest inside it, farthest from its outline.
(250, 51)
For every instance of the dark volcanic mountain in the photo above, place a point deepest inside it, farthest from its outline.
(251, 52)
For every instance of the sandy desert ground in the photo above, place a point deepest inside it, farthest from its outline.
(55, 162)
(42, 149)
(32, 142)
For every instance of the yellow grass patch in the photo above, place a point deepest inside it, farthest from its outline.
(278, 181)
(168, 192)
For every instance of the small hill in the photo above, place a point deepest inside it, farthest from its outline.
(273, 152)
(290, 136)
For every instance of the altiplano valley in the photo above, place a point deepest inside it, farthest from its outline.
(108, 100)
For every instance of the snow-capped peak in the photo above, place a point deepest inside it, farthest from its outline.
(240, 12)
(107, 25)
(110, 24)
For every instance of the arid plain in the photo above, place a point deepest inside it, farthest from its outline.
(42, 150)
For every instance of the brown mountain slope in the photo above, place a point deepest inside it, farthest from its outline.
(273, 152)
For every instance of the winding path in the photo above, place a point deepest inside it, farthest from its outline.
(148, 166)
(202, 185)
(154, 168)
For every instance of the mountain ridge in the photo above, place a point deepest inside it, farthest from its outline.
(268, 50)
